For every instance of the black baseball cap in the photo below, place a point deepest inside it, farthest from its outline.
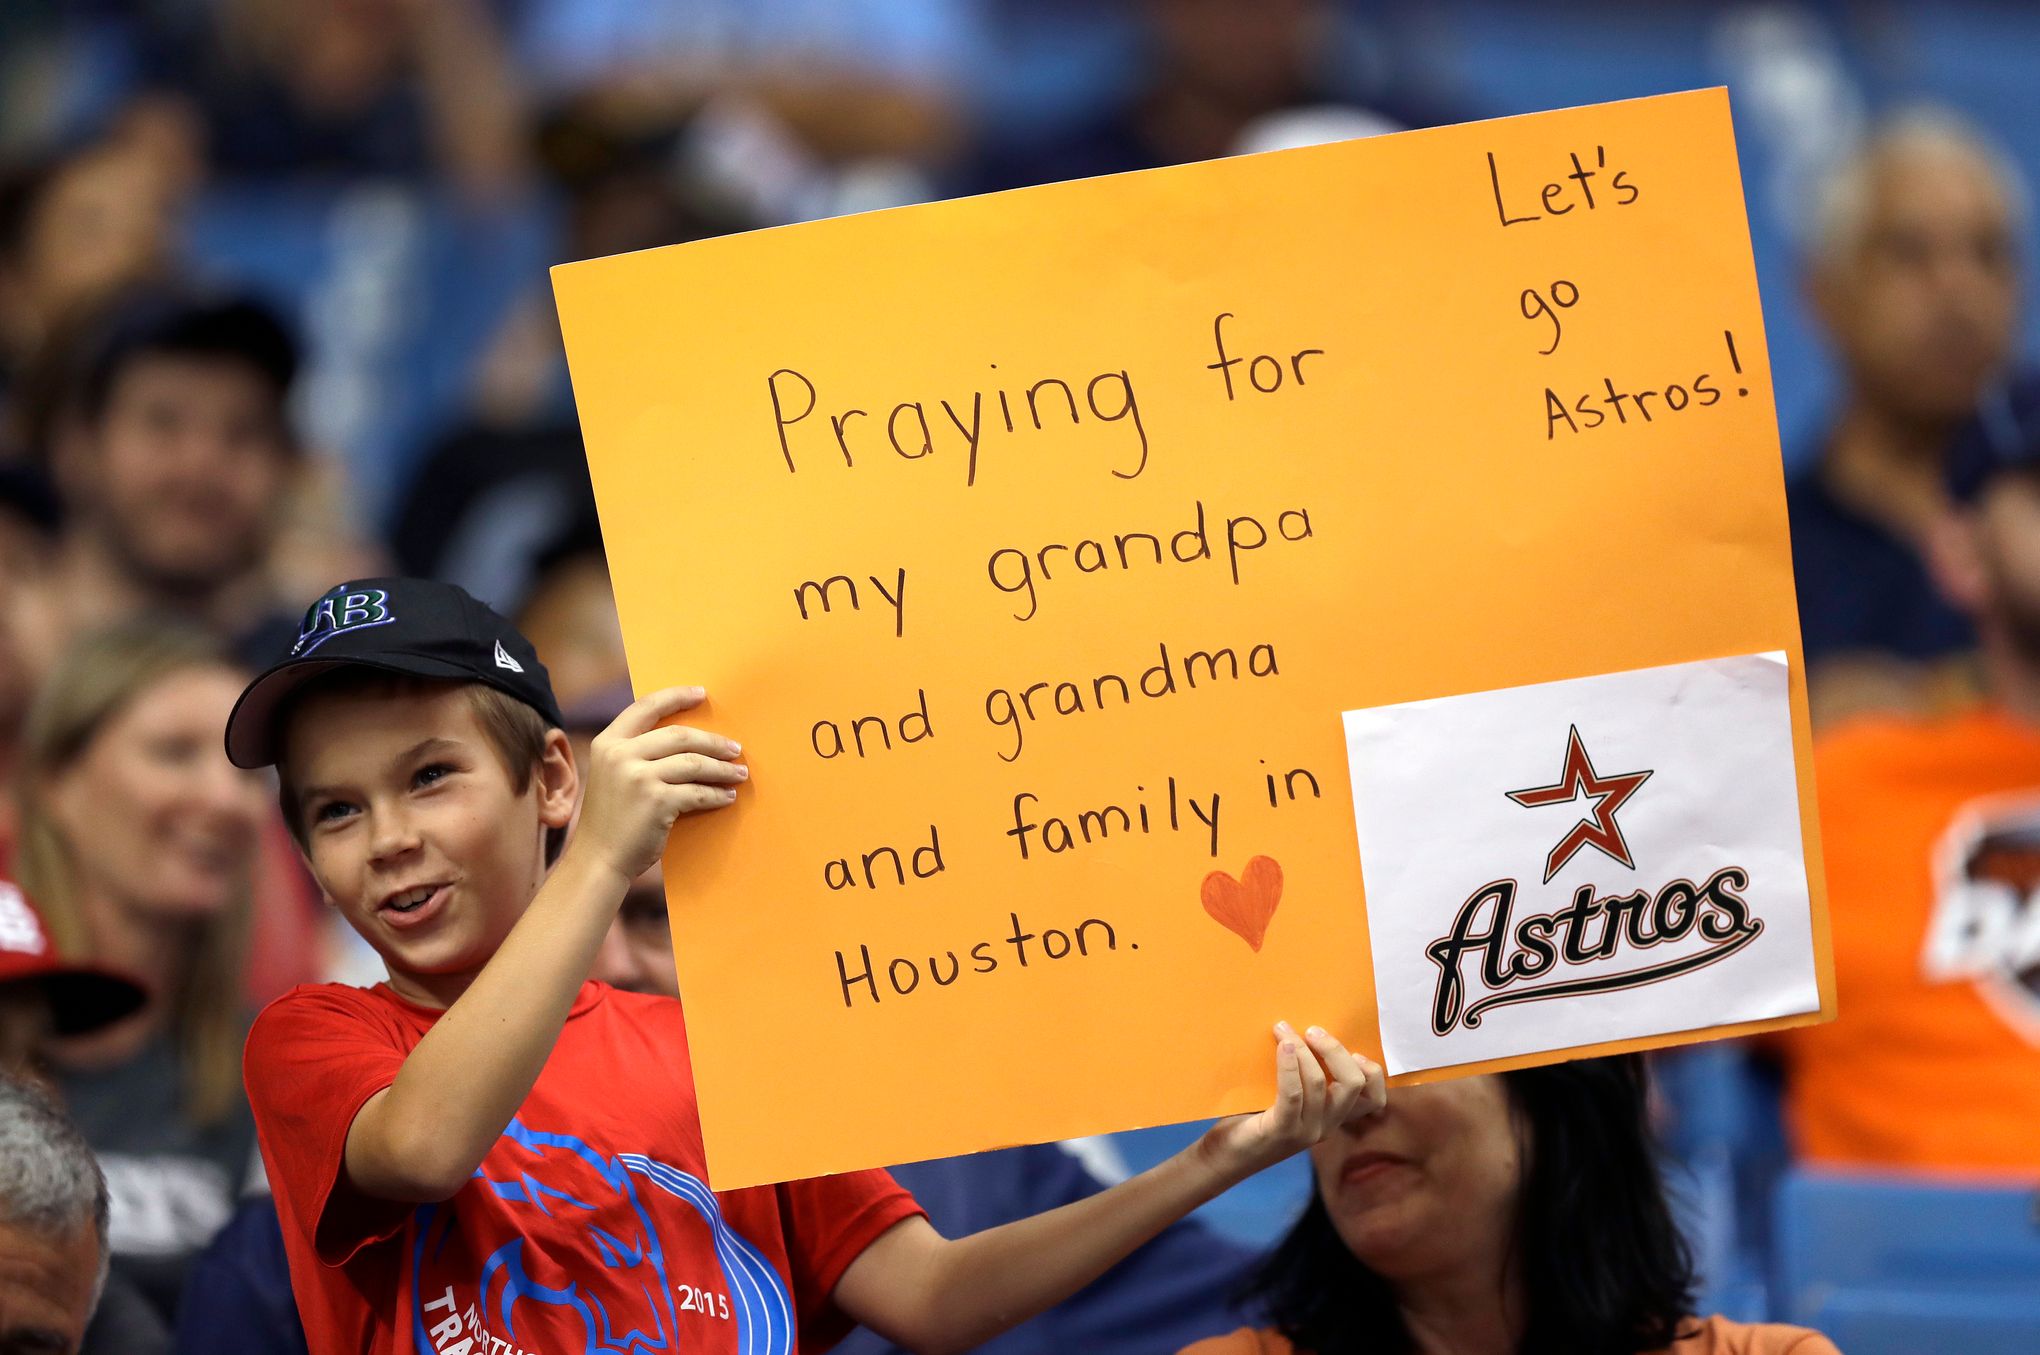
(418, 627)
(2003, 435)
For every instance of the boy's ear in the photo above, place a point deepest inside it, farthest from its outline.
(559, 784)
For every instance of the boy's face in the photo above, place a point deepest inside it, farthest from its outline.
(413, 829)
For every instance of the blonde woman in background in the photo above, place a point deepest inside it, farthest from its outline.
(137, 840)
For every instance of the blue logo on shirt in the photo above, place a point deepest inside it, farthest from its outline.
(626, 1302)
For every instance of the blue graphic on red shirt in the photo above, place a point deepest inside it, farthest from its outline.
(625, 1302)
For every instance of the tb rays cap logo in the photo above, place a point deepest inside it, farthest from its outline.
(340, 611)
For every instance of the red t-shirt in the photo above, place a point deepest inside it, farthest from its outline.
(588, 1230)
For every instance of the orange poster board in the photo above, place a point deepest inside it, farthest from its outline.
(1033, 545)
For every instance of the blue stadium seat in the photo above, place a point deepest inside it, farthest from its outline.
(1718, 1097)
(1845, 1239)
(1723, 1126)
(1703, 1193)
(1897, 1322)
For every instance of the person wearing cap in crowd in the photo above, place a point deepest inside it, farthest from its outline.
(43, 996)
(421, 1135)
(237, 1298)
(1931, 832)
(240, 1284)
(138, 843)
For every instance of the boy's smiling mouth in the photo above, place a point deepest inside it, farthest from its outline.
(414, 906)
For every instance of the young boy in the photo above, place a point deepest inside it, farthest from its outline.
(488, 1155)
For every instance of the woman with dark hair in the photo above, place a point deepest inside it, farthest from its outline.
(1518, 1212)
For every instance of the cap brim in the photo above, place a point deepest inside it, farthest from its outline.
(251, 727)
(83, 999)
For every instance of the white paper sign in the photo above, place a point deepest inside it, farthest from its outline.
(1580, 861)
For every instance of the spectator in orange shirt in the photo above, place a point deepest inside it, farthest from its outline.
(1519, 1211)
(1931, 830)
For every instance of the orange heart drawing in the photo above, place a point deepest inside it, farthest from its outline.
(1245, 906)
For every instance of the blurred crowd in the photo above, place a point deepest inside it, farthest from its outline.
(191, 450)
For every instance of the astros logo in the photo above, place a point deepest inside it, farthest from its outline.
(1565, 953)
(1609, 794)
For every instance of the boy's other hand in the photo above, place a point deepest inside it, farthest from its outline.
(1319, 1086)
(642, 775)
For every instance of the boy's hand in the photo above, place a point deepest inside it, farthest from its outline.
(1319, 1086)
(643, 775)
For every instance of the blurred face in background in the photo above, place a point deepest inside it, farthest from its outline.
(1920, 288)
(1253, 54)
(102, 221)
(570, 618)
(336, 54)
(637, 954)
(184, 469)
(158, 820)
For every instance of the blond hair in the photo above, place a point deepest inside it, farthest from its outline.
(97, 679)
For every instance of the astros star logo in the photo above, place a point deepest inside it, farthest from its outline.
(1609, 793)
